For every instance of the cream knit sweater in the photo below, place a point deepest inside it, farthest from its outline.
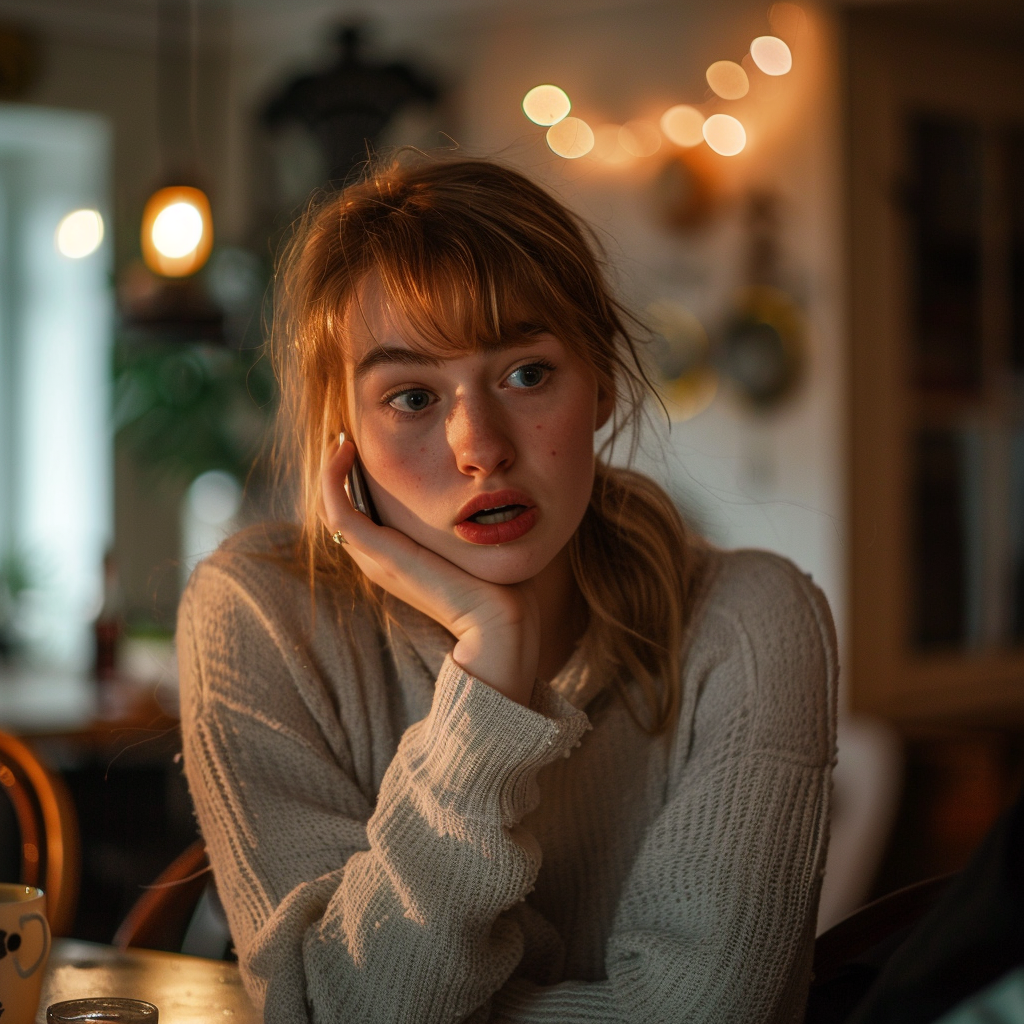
(394, 840)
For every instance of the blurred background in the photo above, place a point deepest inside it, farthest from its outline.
(817, 208)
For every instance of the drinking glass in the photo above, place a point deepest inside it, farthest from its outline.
(103, 1008)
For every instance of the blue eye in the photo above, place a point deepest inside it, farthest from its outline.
(415, 400)
(528, 376)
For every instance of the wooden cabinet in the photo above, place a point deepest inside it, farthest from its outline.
(935, 161)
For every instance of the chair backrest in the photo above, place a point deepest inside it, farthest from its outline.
(873, 924)
(48, 830)
(162, 914)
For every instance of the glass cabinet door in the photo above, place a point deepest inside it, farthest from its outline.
(935, 128)
(964, 213)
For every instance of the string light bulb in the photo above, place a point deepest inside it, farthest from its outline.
(607, 146)
(725, 134)
(177, 231)
(640, 138)
(682, 125)
(546, 104)
(771, 55)
(571, 138)
(728, 80)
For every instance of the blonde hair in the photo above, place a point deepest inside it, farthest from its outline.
(471, 251)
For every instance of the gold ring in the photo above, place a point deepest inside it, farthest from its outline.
(337, 537)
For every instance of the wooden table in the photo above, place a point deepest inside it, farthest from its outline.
(186, 989)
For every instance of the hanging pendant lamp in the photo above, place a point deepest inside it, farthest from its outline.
(177, 222)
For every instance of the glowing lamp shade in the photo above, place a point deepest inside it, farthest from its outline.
(640, 138)
(724, 134)
(79, 234)
(546, 104)
(177, 231)
(571, 138)
(771, 55)
(728, 80)
(682, 125)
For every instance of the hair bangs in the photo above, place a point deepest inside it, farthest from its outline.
(464, 291)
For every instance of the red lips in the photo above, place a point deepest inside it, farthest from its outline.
(496, 533)
(495, 499)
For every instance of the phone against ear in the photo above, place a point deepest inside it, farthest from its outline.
(360, 493)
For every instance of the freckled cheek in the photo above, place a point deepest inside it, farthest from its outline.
(565, 438)
(404, 470)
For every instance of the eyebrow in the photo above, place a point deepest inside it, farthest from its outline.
(391, 355)
(380, 355)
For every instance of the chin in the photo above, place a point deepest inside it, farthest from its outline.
(504, 565)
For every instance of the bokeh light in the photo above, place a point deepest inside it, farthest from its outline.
(724, 134)
(787, 20)
(640, 138)
(546, 104)
(771, 55)
(682, 125)
(571, 138)
(728, 80)
(607, 146)
(79, 234)
(177, 231)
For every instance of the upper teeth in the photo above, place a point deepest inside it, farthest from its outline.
(489, 516)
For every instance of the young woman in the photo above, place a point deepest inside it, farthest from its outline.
(528, 750)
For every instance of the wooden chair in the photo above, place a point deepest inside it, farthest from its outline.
(874, 923)
(48, 830)
(162, 915)
(850, 956)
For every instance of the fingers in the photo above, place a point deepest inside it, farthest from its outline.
(339, 515)
(391, 559)
(364, 540)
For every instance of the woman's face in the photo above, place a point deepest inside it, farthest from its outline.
(485, 457)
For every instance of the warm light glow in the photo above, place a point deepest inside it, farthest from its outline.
(607, 146)
(177, 231)
(771, 55)
(572, 138)
(728, 80)
(79, 234)
(640, 138)
(682, 125)
(787, 20)
(724, 134)
(546, 104)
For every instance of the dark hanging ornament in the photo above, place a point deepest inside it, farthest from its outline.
(349, 105)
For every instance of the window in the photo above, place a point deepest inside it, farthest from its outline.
(55, 330)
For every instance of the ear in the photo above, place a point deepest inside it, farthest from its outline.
(605, 407)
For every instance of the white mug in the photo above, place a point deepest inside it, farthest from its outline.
(24, 947)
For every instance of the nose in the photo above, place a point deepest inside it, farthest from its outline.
(479, 437)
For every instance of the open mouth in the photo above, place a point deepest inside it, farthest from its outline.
(499, 517)
(492, 516)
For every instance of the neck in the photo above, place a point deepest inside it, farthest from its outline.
(563, 614)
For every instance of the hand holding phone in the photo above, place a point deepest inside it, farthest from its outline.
(360, 493)
(496, 627)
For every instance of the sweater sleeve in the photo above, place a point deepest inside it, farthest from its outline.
(341, 910)
(716, 922)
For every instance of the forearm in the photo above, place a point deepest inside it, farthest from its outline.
(412, 924)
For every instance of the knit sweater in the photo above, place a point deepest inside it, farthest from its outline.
(395, 840)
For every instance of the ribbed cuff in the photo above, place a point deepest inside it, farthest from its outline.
(478, 752)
